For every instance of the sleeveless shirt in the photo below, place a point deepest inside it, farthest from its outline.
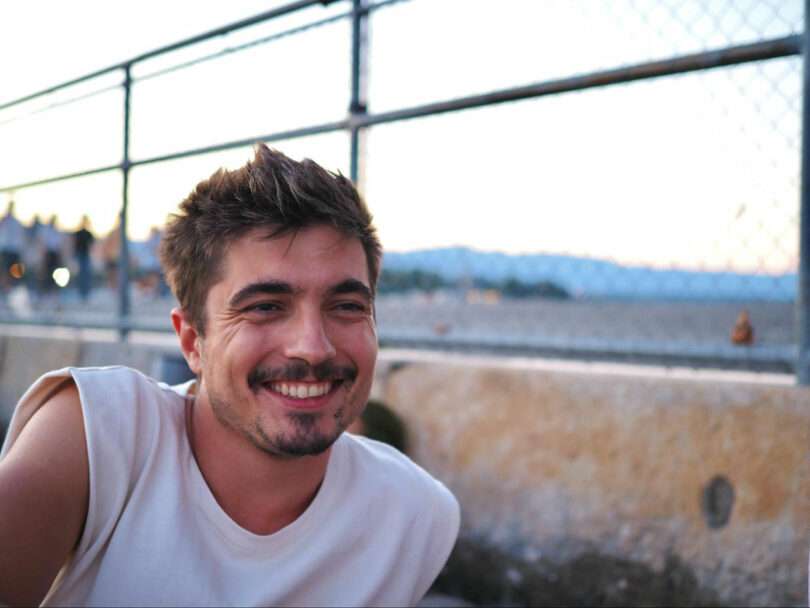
(378, 531)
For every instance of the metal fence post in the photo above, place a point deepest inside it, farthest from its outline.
(123, 258)
(358, 106)
(803, 287)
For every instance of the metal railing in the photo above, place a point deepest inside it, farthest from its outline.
(358, 119)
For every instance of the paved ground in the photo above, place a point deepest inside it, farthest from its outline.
(697, 332)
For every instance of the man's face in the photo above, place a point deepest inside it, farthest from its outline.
(290, 343)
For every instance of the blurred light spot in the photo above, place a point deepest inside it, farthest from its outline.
(61, 276)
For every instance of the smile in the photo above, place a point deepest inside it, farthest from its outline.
(300, 390)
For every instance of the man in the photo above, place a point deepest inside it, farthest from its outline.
(82, 244)
(53, 241)
(239, 488)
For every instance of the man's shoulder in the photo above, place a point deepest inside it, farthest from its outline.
(377, 457)
(117, 374)
(119, 387)
(113, 389)
(128, 416)
(413, 507)
(384, 468)
(115, 401)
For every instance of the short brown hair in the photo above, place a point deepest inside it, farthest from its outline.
(270, 191)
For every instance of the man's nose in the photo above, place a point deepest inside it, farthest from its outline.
(308, 339)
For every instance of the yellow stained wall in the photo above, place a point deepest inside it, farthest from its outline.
(566, 459)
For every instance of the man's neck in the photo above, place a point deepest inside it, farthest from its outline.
(261, 493)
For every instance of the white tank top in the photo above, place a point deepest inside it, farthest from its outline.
(377, 533)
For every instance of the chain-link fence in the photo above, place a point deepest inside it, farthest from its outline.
(568, 178)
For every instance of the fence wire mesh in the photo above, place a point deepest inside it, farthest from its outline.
(654, 220)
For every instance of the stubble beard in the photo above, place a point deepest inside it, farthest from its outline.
(305, 440)
(301, 438)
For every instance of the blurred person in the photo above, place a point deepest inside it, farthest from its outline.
(12, 243)
(53, 243)
(155, 239)
(239, 487)
(82, 243)
(33, 255)
(150, 274)
(109, 248)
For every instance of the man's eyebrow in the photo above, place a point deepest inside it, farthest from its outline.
(260, 288)
(350, 286)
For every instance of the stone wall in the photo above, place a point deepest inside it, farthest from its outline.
(580, 484)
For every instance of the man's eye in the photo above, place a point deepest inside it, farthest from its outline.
(263, 307)
(350, 307)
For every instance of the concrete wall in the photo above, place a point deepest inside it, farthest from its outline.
(24, 358)
(592, 487)
(580, 484)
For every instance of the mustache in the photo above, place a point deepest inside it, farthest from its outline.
(298, 370)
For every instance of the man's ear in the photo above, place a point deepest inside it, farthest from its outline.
(189, 339)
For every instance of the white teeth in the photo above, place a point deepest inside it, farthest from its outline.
(301, 391)
(314, 390)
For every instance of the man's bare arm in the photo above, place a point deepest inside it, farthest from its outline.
(44, 482)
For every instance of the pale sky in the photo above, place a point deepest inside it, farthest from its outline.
(696, 171)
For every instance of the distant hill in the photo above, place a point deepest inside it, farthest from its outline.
(585, 277)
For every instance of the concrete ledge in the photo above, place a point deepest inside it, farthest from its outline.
(95, 354)
(559, 465)
(25, 360)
